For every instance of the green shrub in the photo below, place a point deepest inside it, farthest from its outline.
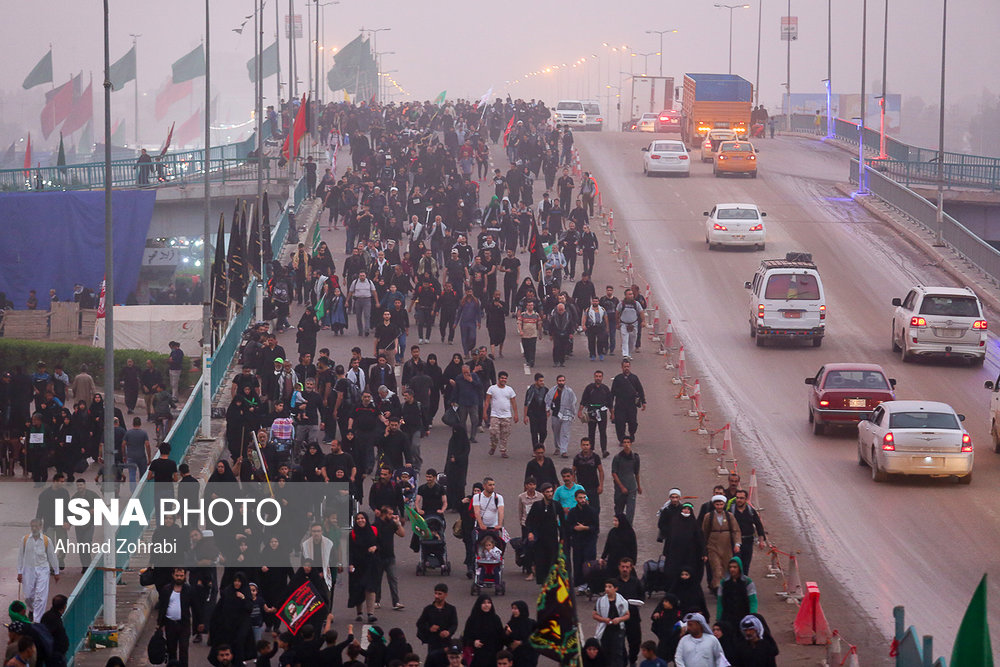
(27, 353)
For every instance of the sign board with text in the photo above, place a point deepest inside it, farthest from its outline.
(789, 28)
(296, 20)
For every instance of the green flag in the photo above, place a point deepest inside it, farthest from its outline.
(40, 73)
(420, 527)
(972, 644)
(316, 237)
(354, 68)
(439, 100)
(268, 63)
(61, 158)
(189, 66)
(123, 70)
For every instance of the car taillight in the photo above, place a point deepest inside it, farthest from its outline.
(917, 321)
(888, 444)
(822, 312)
(664, 119)
(720, 228)
(751, 157)
(654, 157)
(979, 325)
(682, 157)
(757, 228)
(824, 404)
(966, 442)
(722, 157)
(760, 311)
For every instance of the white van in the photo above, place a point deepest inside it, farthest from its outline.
(787, 300)
(570, 112)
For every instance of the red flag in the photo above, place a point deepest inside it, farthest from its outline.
(191, 129)
(298, 130)
(169, 94)
(170, 136)
(82, 111)
(27, 158)
(510, 126)
(57, 107)
(100, 303)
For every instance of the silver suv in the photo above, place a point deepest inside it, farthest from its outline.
(941, 322)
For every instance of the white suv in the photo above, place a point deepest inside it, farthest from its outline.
(941, 322)
(787, 300)
(570, 112)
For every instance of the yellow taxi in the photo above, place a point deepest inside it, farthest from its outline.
(736, 157)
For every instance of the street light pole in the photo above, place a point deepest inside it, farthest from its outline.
(788, 73)
(881, 103)
(206, 255)
(110, 564)
(731, 8)
(829, 69)
(660, 33)
(756, 82)
(939, 217)
(862, 190)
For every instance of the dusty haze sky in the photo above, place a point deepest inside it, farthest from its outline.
(468, 47)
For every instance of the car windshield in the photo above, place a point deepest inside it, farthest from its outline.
(737, 214)
(569, 106)
(669, 147)
(736, 146)
(649, 116)
(592, 108)
(872, 380)
(922, 420)
(954, 306)
(792, 286)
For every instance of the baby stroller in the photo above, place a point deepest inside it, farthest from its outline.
(434, 551)
(489, 567)
(283, 440)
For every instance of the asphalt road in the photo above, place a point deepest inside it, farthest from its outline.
(917, 542)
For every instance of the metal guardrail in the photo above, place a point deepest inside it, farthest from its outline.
(952, 232)
(906, 163)
(86, 602)
(227, 162)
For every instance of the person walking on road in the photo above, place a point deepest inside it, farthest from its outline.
(625, 473)
(499, 409)
(468, 318)
(535, 410)
(699, 647)
(751, 527)
(36, 562)
(562, 406)
(175, 364)
(543, 523)
(595, 324)
(178, 612)
(364, 297)
(595, 405)
(438, 622)
(630, 322)
(528, 328)
(722, 539)
(628, 398)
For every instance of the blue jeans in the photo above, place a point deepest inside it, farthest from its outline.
(133, 472)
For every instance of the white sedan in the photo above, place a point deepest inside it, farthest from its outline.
(734, 225)
(915, 438)
(666, 157)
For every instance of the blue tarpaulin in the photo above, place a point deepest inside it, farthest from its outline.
(52, 240)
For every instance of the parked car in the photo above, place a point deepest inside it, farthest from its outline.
(915, 438)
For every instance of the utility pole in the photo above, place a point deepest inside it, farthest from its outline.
(292, 88)
(135, 48)
(110, 562)
(259, 117)
(731, 8)
(829, 69)
(788, 73)
(277, 57)
(881, 103)
(756, 82)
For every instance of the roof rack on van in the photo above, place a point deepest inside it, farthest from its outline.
(798, 256)
(792, 260)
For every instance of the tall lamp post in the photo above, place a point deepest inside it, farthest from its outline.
(756, 79)
(881, 101)
(829, 69)
(731, 8)
(661, 33)
(374, 34)
(862, 190)
(939, 217)
(645, 60)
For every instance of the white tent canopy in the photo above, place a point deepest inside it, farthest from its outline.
(152, 327)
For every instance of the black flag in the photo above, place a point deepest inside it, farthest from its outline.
(265, 231)
(219, 291)
(236, 259)
(537, 257)
(253, 244)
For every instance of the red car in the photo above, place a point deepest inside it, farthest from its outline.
(669, 120)
(841, 394)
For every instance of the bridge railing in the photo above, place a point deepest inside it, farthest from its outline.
(227, 162)
(86, 602)
(950, 231)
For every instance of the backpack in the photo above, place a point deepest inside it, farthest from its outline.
(353, 395)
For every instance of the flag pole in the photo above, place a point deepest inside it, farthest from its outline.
(258, 40)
